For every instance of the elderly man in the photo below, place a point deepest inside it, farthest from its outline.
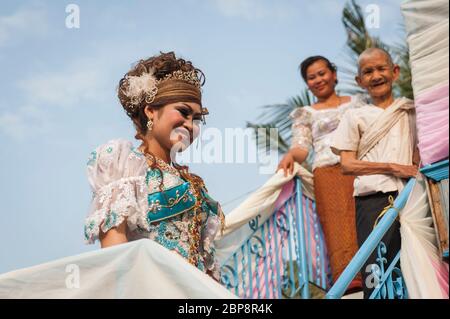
(377, 144)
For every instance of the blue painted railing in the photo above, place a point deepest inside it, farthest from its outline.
(388, 286)
(390, 283)
(438, 172)
(282, 255)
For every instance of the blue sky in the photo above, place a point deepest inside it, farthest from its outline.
(58, 99)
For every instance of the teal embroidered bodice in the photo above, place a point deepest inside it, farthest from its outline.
(159, 207)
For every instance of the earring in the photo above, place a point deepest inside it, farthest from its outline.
(198, 137)
(150, 125)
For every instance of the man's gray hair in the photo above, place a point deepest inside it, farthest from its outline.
(371, 51)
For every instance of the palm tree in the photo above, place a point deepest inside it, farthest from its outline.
(403, 86)
(277, 116)
(358, 40)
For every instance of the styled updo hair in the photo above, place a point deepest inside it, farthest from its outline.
(313, 59)
(161, 65)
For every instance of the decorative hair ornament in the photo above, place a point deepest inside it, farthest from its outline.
(138, 88)
(186, 76)
(145, 86)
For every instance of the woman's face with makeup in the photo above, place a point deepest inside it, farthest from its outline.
(176, 124)
(320, 79)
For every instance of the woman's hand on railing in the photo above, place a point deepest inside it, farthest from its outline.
(287, 164)
(295, 154)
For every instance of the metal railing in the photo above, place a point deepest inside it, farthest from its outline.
(282, 255)
(390, 283)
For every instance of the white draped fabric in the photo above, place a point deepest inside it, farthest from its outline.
(144, 268)
(261, 202)
(429, 57)
(421, 14)
(427, 26)
(139, 269)
(426, 276)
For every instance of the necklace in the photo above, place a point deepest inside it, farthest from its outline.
(151, 159)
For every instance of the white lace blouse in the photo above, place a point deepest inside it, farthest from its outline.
(312, 130)
(125, 188)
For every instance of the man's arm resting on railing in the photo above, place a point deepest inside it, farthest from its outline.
(352, 166)
(114, 236)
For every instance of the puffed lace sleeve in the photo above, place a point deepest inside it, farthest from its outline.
(116, 174)
(301, 128)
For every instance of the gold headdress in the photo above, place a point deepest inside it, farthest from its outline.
(145, 87)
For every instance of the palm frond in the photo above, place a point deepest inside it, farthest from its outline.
(277, 116)
(358, 40)
(403, 86)
(266, 144)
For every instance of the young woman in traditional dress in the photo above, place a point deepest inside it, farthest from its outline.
(141, 192)
(312, 129)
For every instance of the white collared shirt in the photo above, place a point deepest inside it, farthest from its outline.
(392, 148)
